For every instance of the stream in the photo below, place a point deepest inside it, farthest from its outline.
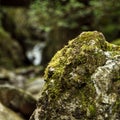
(35, 54)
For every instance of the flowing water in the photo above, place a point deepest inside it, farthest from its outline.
(35, 54)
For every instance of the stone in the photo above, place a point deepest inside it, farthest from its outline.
(12, 78)
(17, 100)
(82, 81)
(7, 114)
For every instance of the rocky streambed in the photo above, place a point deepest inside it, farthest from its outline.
(19, 92)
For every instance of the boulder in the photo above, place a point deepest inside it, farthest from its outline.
(17, 100)
(82, 81)
(7, 114)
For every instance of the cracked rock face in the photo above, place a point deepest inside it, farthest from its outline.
(82, 81)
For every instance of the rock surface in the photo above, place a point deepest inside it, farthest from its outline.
(17, 100)
(35, 86)
(12, 78)
(82, 81)
(7, 114)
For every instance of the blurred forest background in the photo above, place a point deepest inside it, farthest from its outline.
(32, 31)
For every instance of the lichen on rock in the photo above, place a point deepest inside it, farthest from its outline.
(82, 81)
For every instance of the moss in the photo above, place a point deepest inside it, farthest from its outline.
(92, 110)
(73, 51)
(69, 86)
(80, 51)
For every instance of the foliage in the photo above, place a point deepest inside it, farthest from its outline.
(71, 13)
(106, 16)
(61, 13)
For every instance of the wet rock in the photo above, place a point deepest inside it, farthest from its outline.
(7, 114)
(17, 100)
(82, 81)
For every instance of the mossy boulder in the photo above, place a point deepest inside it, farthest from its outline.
(82, 81)
(10, 52)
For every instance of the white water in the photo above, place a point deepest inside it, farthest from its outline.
(35, 54)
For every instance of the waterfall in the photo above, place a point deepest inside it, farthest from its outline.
(35, 54)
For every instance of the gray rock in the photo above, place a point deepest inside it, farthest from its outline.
(82, 81)
(10, 77)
